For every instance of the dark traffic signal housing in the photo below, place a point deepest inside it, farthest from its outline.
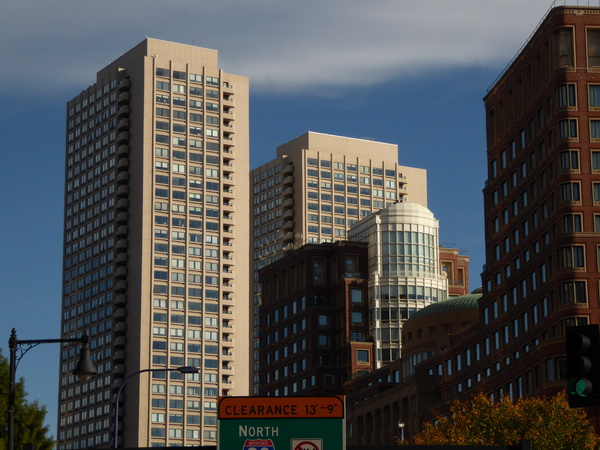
(583, 365)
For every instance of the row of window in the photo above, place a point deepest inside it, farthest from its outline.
(183, 76)
(325, 163)
(177, 433)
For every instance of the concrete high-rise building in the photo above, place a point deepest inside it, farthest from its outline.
(313, 191)
(155, 247)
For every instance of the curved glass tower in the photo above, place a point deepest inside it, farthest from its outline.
(404, 268)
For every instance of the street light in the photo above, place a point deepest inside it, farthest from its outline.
(184, 369)
(401, 428)
(84, 370)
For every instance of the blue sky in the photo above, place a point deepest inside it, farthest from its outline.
(404, 72)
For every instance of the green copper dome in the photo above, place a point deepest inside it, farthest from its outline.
(451, 304)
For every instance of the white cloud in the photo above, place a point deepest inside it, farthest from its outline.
(280, 45)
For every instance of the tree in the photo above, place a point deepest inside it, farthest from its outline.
(548, 422)
(29, 417)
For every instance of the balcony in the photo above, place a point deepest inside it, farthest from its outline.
(124, 85)
(228, 181)
(123, 150)
(122, 233)
(123, 98)
(120, 314)
(288, 203)
(227, 88)
(121, 245)
(123, 124)
(123, 110)
(122, 217)
(288, 180)
(123, 164)
(123, 137)
(122, 204)
(123, 178)
(121, 273)
(288, 170)
(123, 191)
(119, 357)
(120, 300)
(121, 286)
(119, 329)
(119, 342)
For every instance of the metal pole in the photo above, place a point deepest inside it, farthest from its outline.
(116, 424)
(185, 369)
(12, 345)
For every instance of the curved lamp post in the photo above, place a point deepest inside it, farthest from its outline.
(184, 369)
(84, 370)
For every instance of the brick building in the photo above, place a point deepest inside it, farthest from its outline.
(541, 217)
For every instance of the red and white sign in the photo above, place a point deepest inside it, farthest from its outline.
(259, 444)
(307, 444)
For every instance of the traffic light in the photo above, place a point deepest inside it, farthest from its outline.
(583, 365)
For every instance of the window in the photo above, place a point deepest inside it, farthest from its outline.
(593, 47)
(566, 95)
(564, 45)
(362, 356)
(569, 192)
(324, 340)
(596, 192)
(594, 97)
(573, 292)
(572, 257)
(356, 296)
(594, 129)
(571, 223)
(567, 128)
(569, 160)
(357, 317)
(324, 320)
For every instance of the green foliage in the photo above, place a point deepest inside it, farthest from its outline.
(29, 417)
(548, 422)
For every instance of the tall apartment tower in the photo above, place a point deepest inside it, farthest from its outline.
(155, 240)
(541, 199)
(313, 191)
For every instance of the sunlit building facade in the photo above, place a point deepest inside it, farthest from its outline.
(155, 247)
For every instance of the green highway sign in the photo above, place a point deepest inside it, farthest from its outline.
(281, 423)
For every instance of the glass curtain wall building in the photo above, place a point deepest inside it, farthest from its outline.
(156, 219)
(404, 271)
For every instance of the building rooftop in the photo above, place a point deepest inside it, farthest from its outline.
(452, 304)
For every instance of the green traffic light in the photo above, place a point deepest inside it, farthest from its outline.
(580, 386)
